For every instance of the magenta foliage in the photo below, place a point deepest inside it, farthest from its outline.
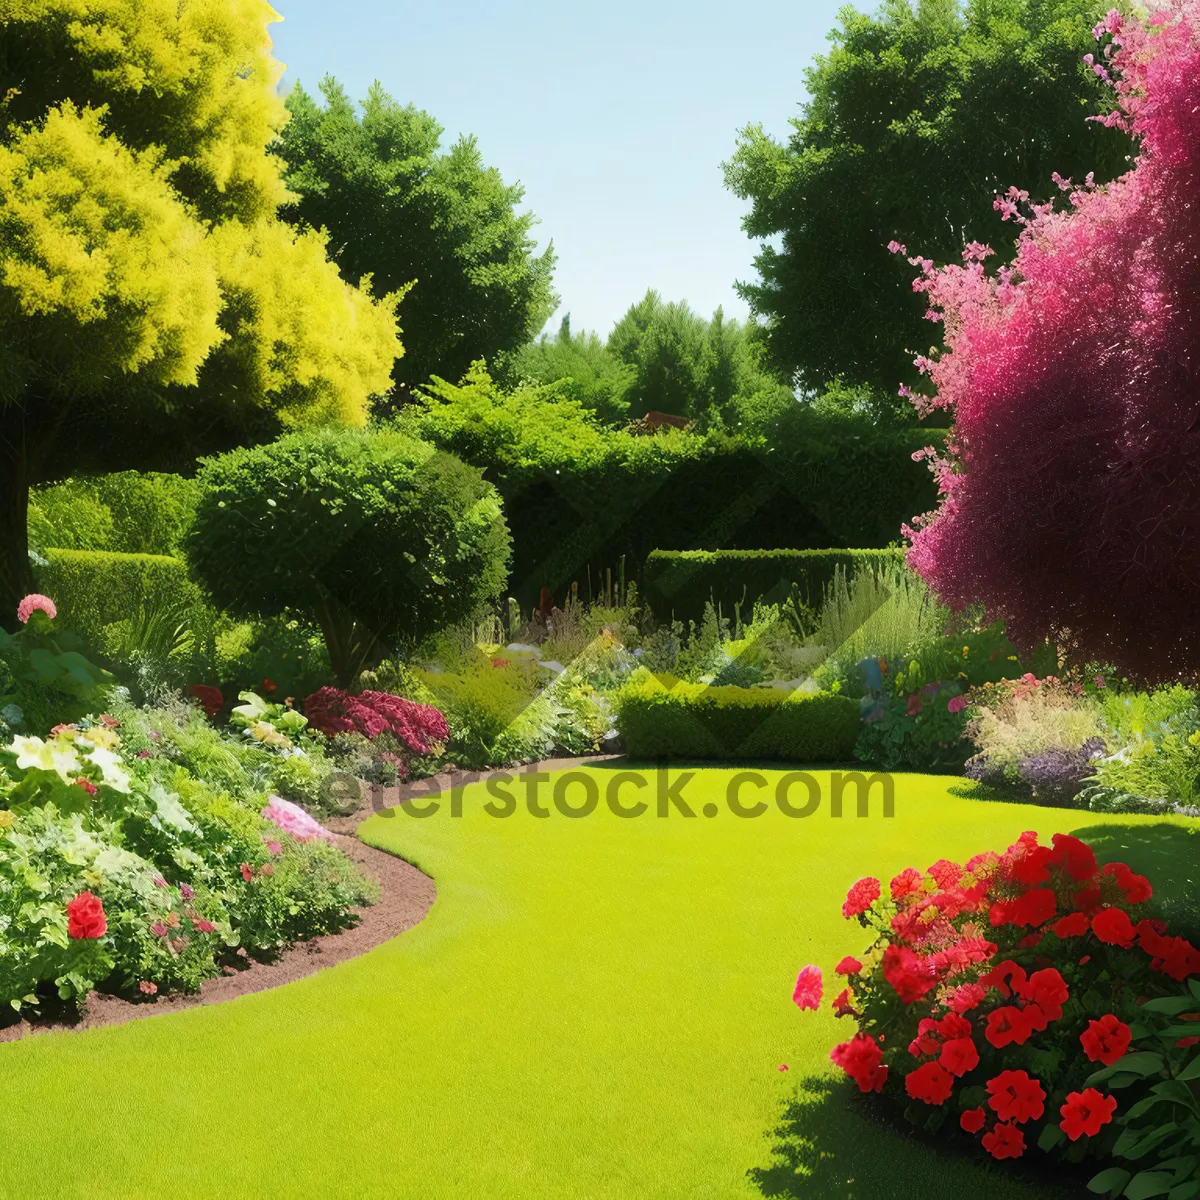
(332, 711)
(1071, 490)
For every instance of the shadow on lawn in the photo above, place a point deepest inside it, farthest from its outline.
(833, 1144)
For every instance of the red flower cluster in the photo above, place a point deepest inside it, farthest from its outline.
(934, 954)
(85, 917)
(332, 711)
(211, 699)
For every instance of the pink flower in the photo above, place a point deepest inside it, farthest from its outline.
(247, 872)
(807, 992)
(158, 929)
(1099, 681)
(957, 704)
(147, 988)
(187, 891)
(35, 603)
(895, 247)
(202, 926)
(291, 818)
(274, 848)
(159, 881)
(860, 897)
(783, 1066)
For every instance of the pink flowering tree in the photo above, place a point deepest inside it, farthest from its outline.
(1071, 490)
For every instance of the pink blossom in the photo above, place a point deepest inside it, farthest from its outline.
(291, 818)
(895, 247)
(159, 881)
(203, 926)
(158, 929)
(35, 602)
(187, 891)
(147, 988)
(807, 993)
(957, 704)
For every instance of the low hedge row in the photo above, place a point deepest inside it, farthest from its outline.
(661, 716)
(93, 588)
(678, 583)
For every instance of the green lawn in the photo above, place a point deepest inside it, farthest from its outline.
(594, 1008)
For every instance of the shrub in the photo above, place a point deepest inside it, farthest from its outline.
(991, 992)
(678, 583)
(374, 536)
(662, 716)
(1085, 349)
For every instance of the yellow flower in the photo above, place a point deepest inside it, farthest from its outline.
(6, 818)
(266, 733)
(101, 738)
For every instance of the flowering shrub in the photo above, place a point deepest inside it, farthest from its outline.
(1070, 377)
(418, 726)
(294, 820)
(992, 991)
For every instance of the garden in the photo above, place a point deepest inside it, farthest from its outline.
(722, 759)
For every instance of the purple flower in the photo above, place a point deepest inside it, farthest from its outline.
(187, 891)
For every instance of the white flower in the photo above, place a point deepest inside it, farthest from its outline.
(56, 756)
(110, 768)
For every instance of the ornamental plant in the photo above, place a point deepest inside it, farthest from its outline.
(1070, 489)
(991, 994)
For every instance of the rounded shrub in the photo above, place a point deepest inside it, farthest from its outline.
(376, 536)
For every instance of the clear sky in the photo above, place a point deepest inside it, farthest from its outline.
(615, 118)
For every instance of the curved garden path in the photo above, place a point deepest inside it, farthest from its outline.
(592, 1008)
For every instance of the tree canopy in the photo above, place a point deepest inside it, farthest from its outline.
(915, 120)
(400, 211)
(660, 356)
(151, 303)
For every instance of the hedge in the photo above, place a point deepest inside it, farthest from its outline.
(93, 588)
(678, 583)
(661, 716)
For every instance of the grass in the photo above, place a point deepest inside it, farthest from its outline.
(594, 1008)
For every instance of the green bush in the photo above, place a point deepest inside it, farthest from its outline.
(374, 536)
(94, 588)
(131, 512)
(678, 583)
(578, 495)
(659, 716)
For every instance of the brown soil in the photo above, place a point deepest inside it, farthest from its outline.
(406, 897)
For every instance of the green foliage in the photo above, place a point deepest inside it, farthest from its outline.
(916, 118)
(151, 303)
(682, 582)
(663, 716)
(374, 536)
(131, 512)
(400, 211)
(579, 497)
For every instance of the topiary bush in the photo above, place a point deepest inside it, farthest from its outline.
(375, 536)
(658, 715)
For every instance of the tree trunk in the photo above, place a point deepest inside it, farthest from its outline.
(352, 647)
(16, 574)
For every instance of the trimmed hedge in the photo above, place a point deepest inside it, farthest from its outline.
(678, 583)
(662, 716)
(94, 588)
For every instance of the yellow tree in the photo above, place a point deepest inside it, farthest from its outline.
(152, 306)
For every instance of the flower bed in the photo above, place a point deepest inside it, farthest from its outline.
(1005, 996)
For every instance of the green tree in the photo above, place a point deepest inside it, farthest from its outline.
(374, 535)
(399, 211)
(151, 303)
(915, 120)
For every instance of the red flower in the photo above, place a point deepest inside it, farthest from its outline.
(1078, 857)
(908, 973)
(1033, 908)
(268, 686)
(959, 1056)
(930, 1083)
(861, 1059)
(848, 966)
(247, 872)
(946, 873)
(842, 1006)
(85, 917)
(1105, 1040)
(1085, 1113)
(972, 1120)
(210, 698)
(1048, 990)
(147, 988)
(1005, 1025)
(860, 897)
(1112, 925)
(1187, 1041)
(807, 992)
(87, 785)
(1033, 866)
(906, 883)
(1003, 976)
(1016, 1096)
(1075, 925)
(1175, 956)
(1088, 900)
(1004, 1141)
(1136, 887)
(966, 997)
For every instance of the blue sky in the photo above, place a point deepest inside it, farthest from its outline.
(615, 118)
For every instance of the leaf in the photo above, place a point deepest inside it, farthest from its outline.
(1134, 1143)
(1191, 1071)
(1109, 1181)
(1050, 1137)
(1148, 1183)
(1171, 1005)
(1185, 1191)
(1143, 1063)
